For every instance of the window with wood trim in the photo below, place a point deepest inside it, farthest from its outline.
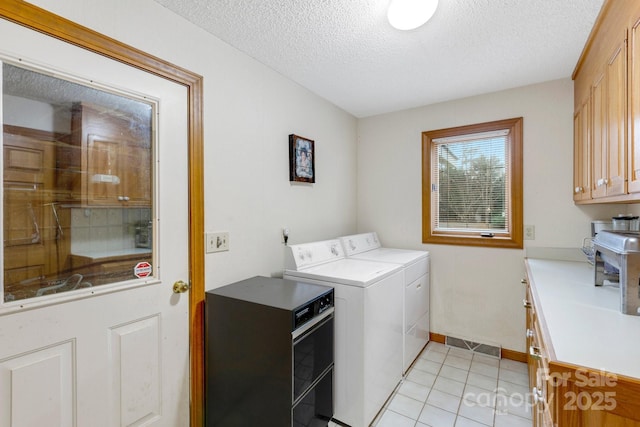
(472, 185)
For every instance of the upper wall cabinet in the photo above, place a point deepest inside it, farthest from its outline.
(608, 102)
(582, 152)
(606, 160)
(634, 106)
(108, 162)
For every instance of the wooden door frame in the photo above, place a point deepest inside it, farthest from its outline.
(45, 22)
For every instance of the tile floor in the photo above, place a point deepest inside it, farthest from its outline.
(451, 387)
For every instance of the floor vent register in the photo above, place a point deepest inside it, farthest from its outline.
(489, 350)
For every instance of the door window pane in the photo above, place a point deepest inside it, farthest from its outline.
(77, 184)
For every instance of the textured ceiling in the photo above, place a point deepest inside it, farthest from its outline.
(346, 52)
(29, 84)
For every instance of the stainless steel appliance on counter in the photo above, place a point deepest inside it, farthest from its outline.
(597, 226)
(269, 354)
(620, 250)
(625, 222)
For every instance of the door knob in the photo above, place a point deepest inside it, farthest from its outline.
(180, 287)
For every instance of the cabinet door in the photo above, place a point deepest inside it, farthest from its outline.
(599, 137)
(634, 107)
(116, 159)
(532, 363)
(104, 171)
(581, 154)
(31, 235)
(541, 392)
(616, 120)
(137, 170)
(609, 126)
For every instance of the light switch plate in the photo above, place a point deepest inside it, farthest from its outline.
(217, 242)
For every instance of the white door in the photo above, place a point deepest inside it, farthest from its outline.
(114, 350)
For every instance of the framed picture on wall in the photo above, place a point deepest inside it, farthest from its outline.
(301, 159)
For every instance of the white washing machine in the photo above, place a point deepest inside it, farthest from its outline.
(368, 325)
(415, 268)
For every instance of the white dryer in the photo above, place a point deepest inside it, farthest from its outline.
(368, 325)
(415, 267)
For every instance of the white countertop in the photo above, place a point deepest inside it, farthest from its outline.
(584, 322)
(97, 254)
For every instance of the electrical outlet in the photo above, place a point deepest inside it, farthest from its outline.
(217, 242)
(529, 232)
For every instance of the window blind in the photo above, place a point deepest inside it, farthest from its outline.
(470, 184)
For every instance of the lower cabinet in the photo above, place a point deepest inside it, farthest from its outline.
(565, 394)
(102, 271)
(542, 396)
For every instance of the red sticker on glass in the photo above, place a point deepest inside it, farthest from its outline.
(142, 269)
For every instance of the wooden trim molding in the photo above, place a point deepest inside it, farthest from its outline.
(435, 337)
(518, 356)
(38, 19)
(604, 11)
(575, 379)
(513, 237)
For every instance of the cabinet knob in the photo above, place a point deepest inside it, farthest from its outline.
(526, 304)
(523, 281)
(578, 190)
(530, 333)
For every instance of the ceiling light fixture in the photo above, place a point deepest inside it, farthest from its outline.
(410, 14)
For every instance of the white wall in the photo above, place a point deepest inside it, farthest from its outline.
(40, 115)
(249, 111)
(476, 292)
